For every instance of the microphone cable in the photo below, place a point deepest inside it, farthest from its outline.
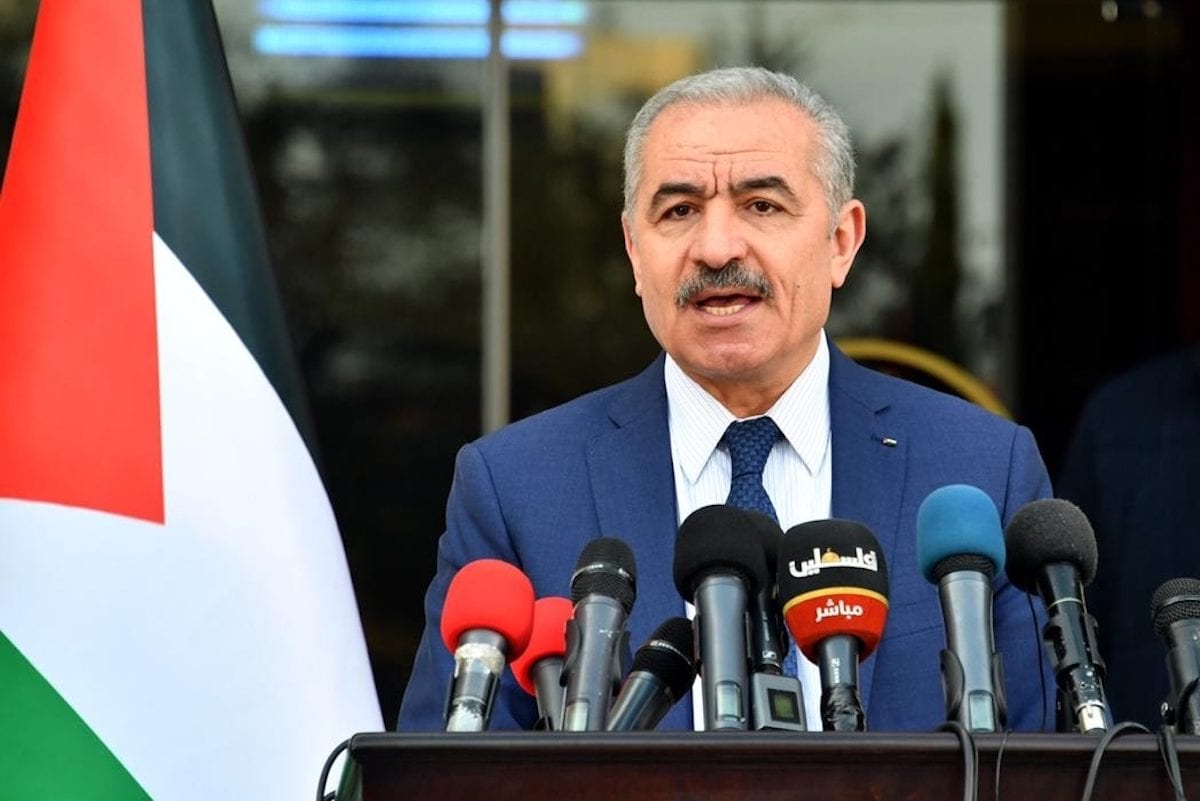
(970, 750)
(1128, 727)
(344, 745)
(999, 759)
(1170, 757)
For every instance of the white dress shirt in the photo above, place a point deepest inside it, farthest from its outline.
(797, 475)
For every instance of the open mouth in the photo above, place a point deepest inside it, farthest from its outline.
(725, 305)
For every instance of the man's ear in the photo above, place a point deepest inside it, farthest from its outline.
(631, 252)
(846, 239)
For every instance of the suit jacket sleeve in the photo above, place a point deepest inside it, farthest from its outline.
(475, 529)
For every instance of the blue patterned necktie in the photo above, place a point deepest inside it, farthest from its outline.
(750, 443)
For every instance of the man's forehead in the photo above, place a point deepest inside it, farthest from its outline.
(727, 142)
(731, 166)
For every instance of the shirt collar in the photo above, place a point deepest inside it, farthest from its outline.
(698, 420)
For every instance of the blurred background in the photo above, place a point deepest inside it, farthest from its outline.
(1030, 170)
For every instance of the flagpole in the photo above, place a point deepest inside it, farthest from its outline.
(496, 378)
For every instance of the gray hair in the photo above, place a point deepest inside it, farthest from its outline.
(833, 165)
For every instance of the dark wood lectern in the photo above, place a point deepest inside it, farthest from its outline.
(740, 766)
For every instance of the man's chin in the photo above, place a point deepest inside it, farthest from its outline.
(732, 366)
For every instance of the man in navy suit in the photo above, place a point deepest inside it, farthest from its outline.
(739, 223)
(1133, 466)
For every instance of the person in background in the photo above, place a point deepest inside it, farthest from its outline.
(1133, 467)
(739, 223)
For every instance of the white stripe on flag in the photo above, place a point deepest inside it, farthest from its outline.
(220, 655)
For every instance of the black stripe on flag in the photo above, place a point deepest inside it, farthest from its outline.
(205, 203)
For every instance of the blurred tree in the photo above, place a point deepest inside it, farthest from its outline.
(577, 324)
(935, 285)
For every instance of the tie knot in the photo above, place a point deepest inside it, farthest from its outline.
(749, 443)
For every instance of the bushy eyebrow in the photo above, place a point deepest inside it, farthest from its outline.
(764, 182)
(674, 189)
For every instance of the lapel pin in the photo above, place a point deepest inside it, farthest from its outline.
(889, 442)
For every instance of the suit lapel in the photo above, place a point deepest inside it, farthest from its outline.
(633, 485)
(868, 474)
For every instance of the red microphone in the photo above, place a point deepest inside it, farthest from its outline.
(539, 669)
(833, 585)
(487, 619)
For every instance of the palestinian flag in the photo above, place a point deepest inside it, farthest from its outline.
(176, 615)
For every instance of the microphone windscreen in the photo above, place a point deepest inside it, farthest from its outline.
(1175, 600)
(605, 567)
(549, 638)
(958, 520)
(492, 595)
(1046, 531)
(718, 539)
(771, 534)
(833, 580)
(668, 655)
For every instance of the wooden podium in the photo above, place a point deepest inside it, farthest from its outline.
(716, 766)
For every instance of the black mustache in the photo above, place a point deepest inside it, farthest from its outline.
(731, 275)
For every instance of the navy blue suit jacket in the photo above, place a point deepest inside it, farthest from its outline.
(535, 492)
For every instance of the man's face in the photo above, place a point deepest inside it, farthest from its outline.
(730, 243)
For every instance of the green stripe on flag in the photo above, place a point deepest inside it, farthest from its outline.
(46, 750)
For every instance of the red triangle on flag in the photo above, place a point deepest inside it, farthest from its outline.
(79, 394)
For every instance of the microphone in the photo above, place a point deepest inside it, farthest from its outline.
(487, 618)
(833, 585)
(1052, 553)
(603, 588)
(960, 546)
(538, 669)
(719, 565)
(1175, 610)
(663, 670)
(776, 700)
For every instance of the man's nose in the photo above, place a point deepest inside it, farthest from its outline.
(719, 238)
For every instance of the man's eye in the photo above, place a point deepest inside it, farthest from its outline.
(763, 206)
(675, 212)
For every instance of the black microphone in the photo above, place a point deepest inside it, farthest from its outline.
(486, 620)
(1175, 611)
(1052, 553)
(663, 670)
(960, 546)
(776, 700)
(719, 566)
(766, 644)
(833, 584)
(603, 588)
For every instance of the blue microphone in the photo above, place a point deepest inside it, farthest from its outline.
(960, 548)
